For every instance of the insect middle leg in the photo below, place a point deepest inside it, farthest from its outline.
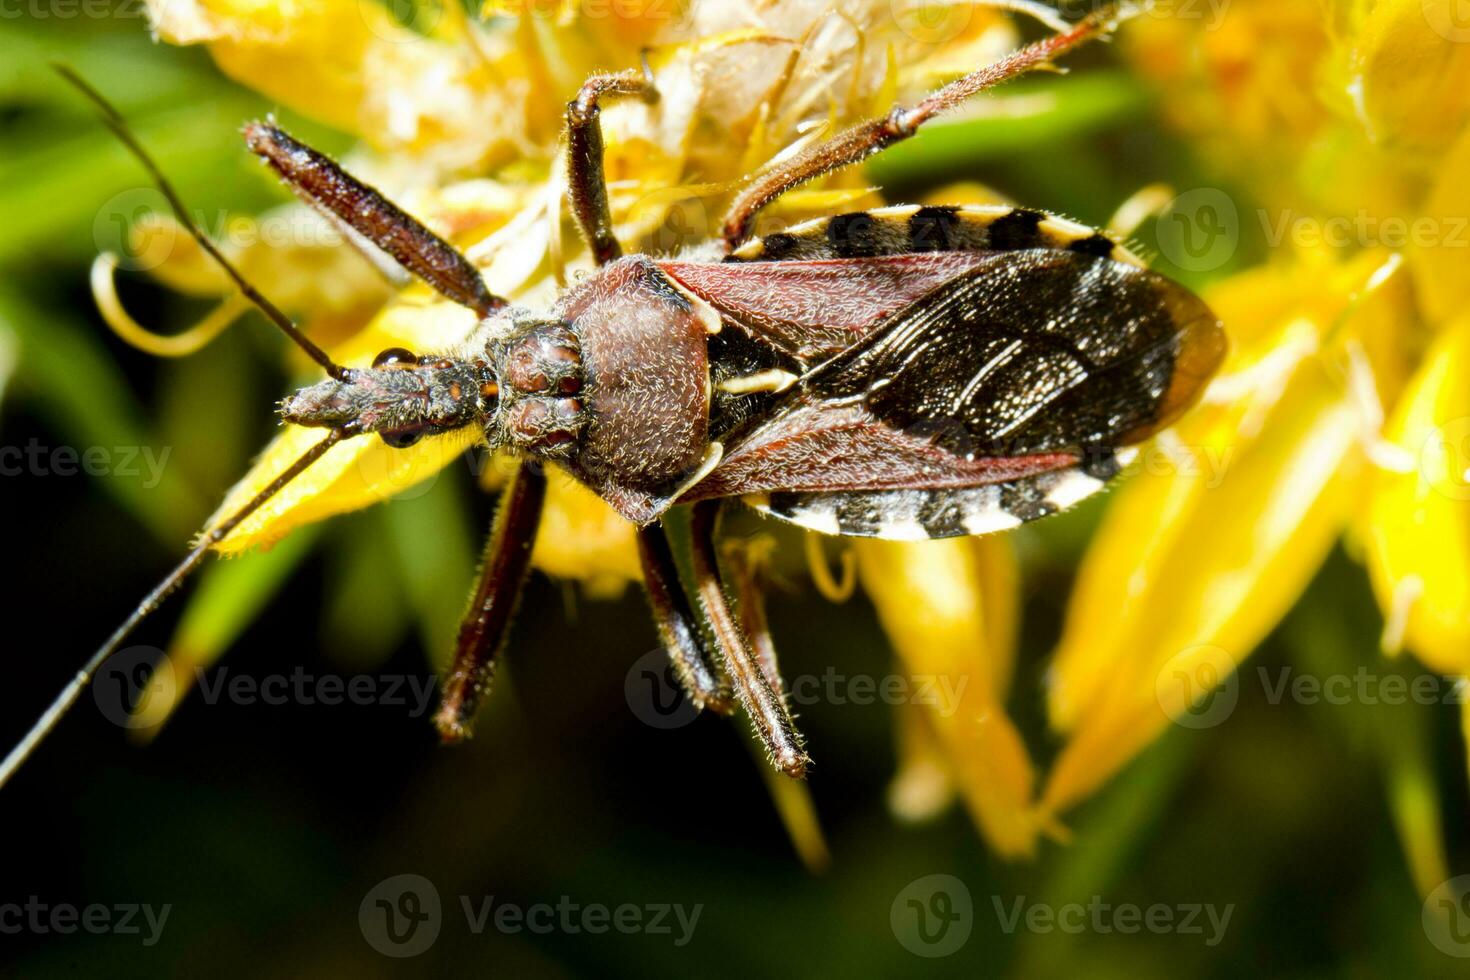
(482, 633)
(586, 179)
(759, 692)
(865, 139)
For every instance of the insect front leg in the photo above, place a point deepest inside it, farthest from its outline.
(865, 139)
(762, 699)
(586, 180)
(677, 626)
(482, 633)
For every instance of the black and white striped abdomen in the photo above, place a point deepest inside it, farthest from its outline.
(909, 229)
(918, 515)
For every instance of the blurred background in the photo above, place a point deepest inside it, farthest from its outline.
(270, 831)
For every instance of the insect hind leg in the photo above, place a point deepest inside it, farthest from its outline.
(754, 675)
(865, 139)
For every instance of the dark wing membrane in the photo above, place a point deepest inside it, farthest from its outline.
(1037, 352)
(815, 289)
(1034, 361)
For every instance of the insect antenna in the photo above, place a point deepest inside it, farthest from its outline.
(114, 121)
(207, 540)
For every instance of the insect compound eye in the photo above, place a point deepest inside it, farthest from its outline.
(402, 438)
(395, 357)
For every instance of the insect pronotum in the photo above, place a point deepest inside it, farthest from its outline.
(902, 373)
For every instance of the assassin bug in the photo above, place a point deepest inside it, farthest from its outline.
(904, 373)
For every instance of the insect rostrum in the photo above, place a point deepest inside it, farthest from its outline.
(902, 373)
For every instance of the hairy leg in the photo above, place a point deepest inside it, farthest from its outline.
(746, 581)
(766, 707)
(362, 211)
(586, 182)
(865, 139)
(677, 626)
(482, 633)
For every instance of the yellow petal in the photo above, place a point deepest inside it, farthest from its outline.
(1184, 579)
(1241, 80)
(307, 55)
(1440, 255)
(1409, 73)
(1220, 529)
(349, 64)
(933, 601)
(585, 540)
(360, 471)
(1419, 521)
(923, 784)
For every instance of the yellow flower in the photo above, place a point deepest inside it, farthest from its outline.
(1349, 110)
(1418, 527)
(462, 123)
(1349, 125)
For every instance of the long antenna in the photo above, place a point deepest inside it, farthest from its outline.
(114, 121)
(151, 602)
